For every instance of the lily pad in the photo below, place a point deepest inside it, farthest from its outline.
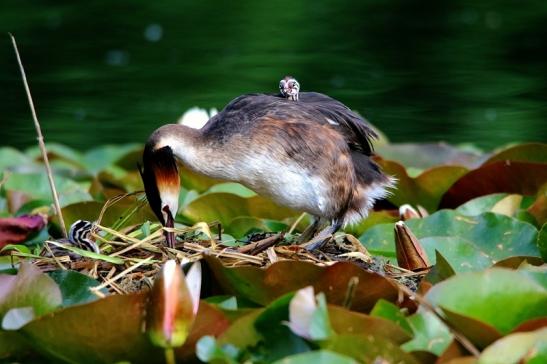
(531, 152)
(524, 178)
(430, 334)
(468, 243)
(29, 288)
(368, 348)
(98, 159)
(10, 157)
(517, 348)
(426, 189)
(475, 294)
(427, 155)
(113, 340)
(225, 207)
(37, 187)
(262, 286)
(317, 357)
(74, 286)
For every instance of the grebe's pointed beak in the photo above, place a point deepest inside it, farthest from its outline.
(169, 223)
(162, 185)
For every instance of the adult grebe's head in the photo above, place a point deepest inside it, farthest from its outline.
(162, 184)
(289, 88)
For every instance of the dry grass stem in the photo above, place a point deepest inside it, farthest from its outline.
(41, 143)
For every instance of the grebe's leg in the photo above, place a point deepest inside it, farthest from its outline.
(310, 231)
(324, 236)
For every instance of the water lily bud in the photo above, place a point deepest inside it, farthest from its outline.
(301, 309)
(171, 309)
(410, 254)
(308, 315)
(407, 212)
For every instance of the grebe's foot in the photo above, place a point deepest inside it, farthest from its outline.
(323, 237)
(310, 231)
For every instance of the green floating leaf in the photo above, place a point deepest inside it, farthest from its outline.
(441, 270)
(526, 347)
(207, 350)
(389, 311)
(481, 204)
(430, 334)
(36, 186)
(233, 188)
(280, 341)
(469, 243)
(29, 288)
(75, 286)
(317, 357)
(98, 159)
(475, 294)
(58, 153)
(10, 157)
(225, 207)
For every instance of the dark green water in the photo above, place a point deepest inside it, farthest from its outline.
(112, 71)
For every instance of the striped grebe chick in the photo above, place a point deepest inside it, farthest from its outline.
(312, 156)
(289, 88)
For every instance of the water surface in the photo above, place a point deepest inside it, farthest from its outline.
(112, 71)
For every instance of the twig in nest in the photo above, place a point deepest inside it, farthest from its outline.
(261, 245)
(41, 143)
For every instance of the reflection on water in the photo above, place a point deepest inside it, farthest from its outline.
(109, 72)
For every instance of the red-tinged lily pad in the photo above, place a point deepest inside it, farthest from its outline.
(368, 349)
(265, 285)
(523, 178)
(519, 296)
(344, 321)
(427, 155)
(426, 189)
(528, 347)
(538, 209)
(209, 321)
(15, 230)
(531, 152)
(109, 330)
(29, 288)
(517, 261)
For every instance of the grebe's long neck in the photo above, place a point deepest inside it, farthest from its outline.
(193, 149)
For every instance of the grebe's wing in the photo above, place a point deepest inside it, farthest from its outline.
(354, 127)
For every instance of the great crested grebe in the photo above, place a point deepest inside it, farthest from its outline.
(289, 88)
(312, 156)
